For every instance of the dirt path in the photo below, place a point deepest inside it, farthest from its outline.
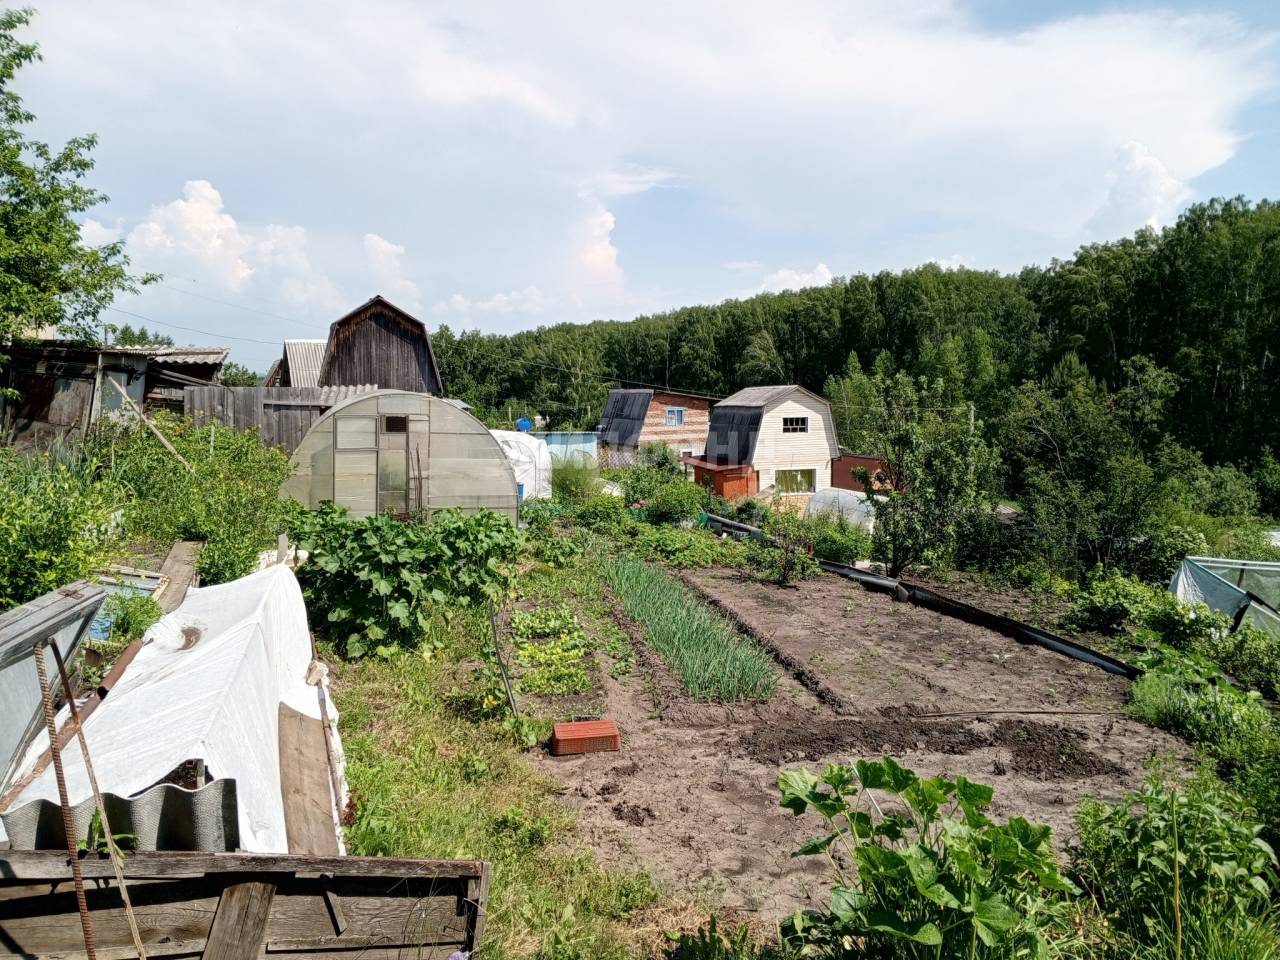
(692, 796)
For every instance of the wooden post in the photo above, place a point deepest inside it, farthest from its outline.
(151, 426)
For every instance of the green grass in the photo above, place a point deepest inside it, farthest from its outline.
(430, 781)
(711, 658)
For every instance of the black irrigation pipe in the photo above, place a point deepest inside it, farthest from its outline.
(932, 600)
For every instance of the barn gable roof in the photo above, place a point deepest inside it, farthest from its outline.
(374, 305)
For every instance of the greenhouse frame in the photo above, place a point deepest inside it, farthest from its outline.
(400, 451)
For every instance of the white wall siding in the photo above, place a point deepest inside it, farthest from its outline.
(813, 450)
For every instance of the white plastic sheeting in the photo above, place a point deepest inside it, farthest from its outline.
(530, 460)
(1248, 591)
(206, 684)
(853, 505)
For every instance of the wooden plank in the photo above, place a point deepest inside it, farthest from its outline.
(241, 921)
(180, 567)
(177, 916)
(53, 866)
(304, 785)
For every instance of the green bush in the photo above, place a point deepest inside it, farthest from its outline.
(372, 583)
(1126, 851)
(640, 484)
(675, 502)
(782, 555)
(1155, 558)
(1107, 601)
(711, 658)
(56, 523)
(659, 456)
(601, 510)
(131, 614)
(834, 538)
(574, 476)
(230, 498)
(1266, 477)
(926, 873)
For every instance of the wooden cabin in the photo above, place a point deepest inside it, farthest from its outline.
(632, 418)
(771, 440)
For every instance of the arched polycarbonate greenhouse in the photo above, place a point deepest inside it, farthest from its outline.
(399, 451)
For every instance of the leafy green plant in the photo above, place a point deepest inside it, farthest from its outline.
(553, 643)
(1169, 852)
(57, 522)
(374, 581)
(713, 660)
(927, 874)
(680, 547)
(1107, 601)
(783, 555)
(708, 942)
(834, 538)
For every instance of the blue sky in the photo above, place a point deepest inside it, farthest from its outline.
(501, 166)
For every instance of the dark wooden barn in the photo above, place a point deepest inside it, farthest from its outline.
(380, 343)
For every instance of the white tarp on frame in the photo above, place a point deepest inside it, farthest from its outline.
(207, 684)
(530, 460)
(1247, 591)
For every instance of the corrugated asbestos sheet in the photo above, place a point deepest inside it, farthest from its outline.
(623, 417)
(731, 437)
(166, 817)
(304, 358)
(756, 396)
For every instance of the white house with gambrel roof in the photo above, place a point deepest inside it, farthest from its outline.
(785, 434)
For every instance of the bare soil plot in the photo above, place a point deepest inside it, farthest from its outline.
(692, 795)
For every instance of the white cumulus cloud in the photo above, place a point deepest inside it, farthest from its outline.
(386, 266)
(788, 279)
(528, 300)
(1142, 192)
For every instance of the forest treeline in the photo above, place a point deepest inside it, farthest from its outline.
(1199, 300)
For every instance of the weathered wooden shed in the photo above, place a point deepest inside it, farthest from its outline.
(375, 343)
(401, 451)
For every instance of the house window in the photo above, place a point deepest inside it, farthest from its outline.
(795, 481)
(675, 416)
(795, 424)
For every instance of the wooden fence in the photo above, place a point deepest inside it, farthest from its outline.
(282, 414)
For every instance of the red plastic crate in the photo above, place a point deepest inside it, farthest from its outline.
(585, 736)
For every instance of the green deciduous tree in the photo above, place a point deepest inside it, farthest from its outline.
(48, 275)
(938, 466)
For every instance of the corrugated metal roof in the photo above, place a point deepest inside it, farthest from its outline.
(757, 396)
(732, 433)
(623, 417)
(304, 358)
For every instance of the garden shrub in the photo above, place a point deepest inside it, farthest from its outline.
(602, 510)
(131, 615)
(640, 484)
(934, 877)
(782, 555)
(834, 538)
(1107, 601)
(1156, 557)
(56, 523)
(1125, 856)
(675, 502)
(373, 582)
(659, 456)
(231, 497)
